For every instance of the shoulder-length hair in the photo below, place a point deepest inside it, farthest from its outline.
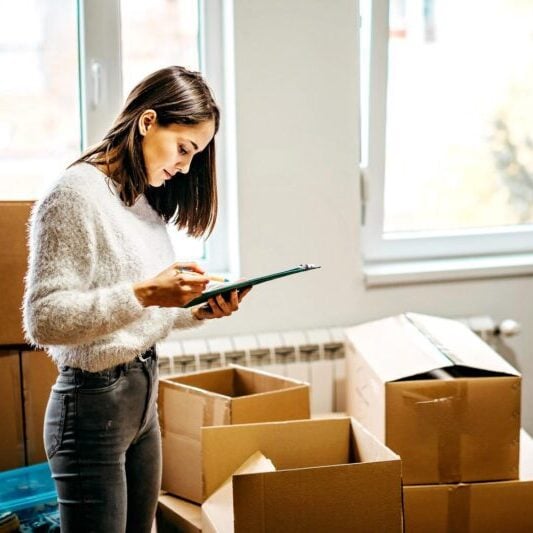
(178, 96)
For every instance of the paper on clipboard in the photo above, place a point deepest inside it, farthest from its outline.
(221, 288)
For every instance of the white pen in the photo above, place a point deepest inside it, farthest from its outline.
(210, 277)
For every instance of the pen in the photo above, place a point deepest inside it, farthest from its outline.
(210, 277)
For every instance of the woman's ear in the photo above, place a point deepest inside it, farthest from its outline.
(146, 121)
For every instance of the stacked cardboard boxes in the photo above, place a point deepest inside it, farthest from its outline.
(228, 445)
(13, 218)
(13, 263)
(497, 506)
(442, 399)
(232, 395)
(25, 376)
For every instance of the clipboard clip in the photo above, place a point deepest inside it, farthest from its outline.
(309, 266)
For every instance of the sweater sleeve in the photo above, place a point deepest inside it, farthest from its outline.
(60, 304)
(183, 319)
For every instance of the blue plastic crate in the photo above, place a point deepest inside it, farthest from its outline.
(26, 488)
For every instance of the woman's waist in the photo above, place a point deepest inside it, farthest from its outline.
(73, 375)
(100, 356)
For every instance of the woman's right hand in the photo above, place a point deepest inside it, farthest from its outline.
(175, 286)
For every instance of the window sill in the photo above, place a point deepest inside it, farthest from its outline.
(456, 269)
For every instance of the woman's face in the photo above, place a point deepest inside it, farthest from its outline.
(170, 149)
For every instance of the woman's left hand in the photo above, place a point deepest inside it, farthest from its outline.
(218, 306)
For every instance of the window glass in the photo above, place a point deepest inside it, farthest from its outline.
(459, 138)
(39, 97)
(157, 34)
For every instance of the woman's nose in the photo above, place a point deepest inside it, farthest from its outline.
(183, 167)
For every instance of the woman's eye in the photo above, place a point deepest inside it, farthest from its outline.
(183, 151)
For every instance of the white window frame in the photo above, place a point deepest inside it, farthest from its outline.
(101, 99)
(393, 254)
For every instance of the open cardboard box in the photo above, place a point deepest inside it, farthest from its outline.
(464, 427)
(331, 475)
(232, 395)
(498, 507)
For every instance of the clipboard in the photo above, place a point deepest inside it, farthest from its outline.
(242, 284)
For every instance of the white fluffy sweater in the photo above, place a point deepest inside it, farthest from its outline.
(86, 249)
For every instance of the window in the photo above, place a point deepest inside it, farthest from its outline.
(71, 64)
(147, 45)
(39, 106)
(448, 151)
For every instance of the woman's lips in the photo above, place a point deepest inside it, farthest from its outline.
(168, 175)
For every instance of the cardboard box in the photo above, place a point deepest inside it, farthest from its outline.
(445, 430)
(498, 507)
(12, 434)
(175, 515)
(232, 395)
(40, 373)
(217, 510)
(331, 475)
(13, 264)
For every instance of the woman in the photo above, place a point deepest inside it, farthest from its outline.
(102, 289)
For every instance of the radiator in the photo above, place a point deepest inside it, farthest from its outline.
(316, 356)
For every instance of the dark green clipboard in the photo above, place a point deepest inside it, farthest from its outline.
(241, 284)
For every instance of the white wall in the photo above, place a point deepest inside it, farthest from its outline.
(297, 110)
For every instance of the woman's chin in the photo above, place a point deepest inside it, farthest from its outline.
(156, 182)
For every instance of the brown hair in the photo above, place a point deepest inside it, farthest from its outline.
(178, 96)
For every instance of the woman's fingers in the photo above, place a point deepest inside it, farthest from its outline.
(193, 283)
(192, 267)
(234, 300)
(224, 306)
(218, 306)
(216, 311)
(244, 292)
(193, 280)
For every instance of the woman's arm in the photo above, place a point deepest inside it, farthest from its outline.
(59, 305)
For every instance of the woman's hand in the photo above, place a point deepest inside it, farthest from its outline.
(218, 307)
(176, 286)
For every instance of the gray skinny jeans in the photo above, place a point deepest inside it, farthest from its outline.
(103, 443)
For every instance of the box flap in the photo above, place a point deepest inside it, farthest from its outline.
(218, 381)
(284, 404)
(363, 497)
(367, 448)
(526, 456)
(185, 410)
(175, 514)
(233, 381)
(247, 381)
(293, 444)
(460, 344)
(217, 510)
(410, 344)
(182, 412)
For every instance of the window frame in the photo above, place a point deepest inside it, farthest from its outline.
(410, 246)
(100, 82)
